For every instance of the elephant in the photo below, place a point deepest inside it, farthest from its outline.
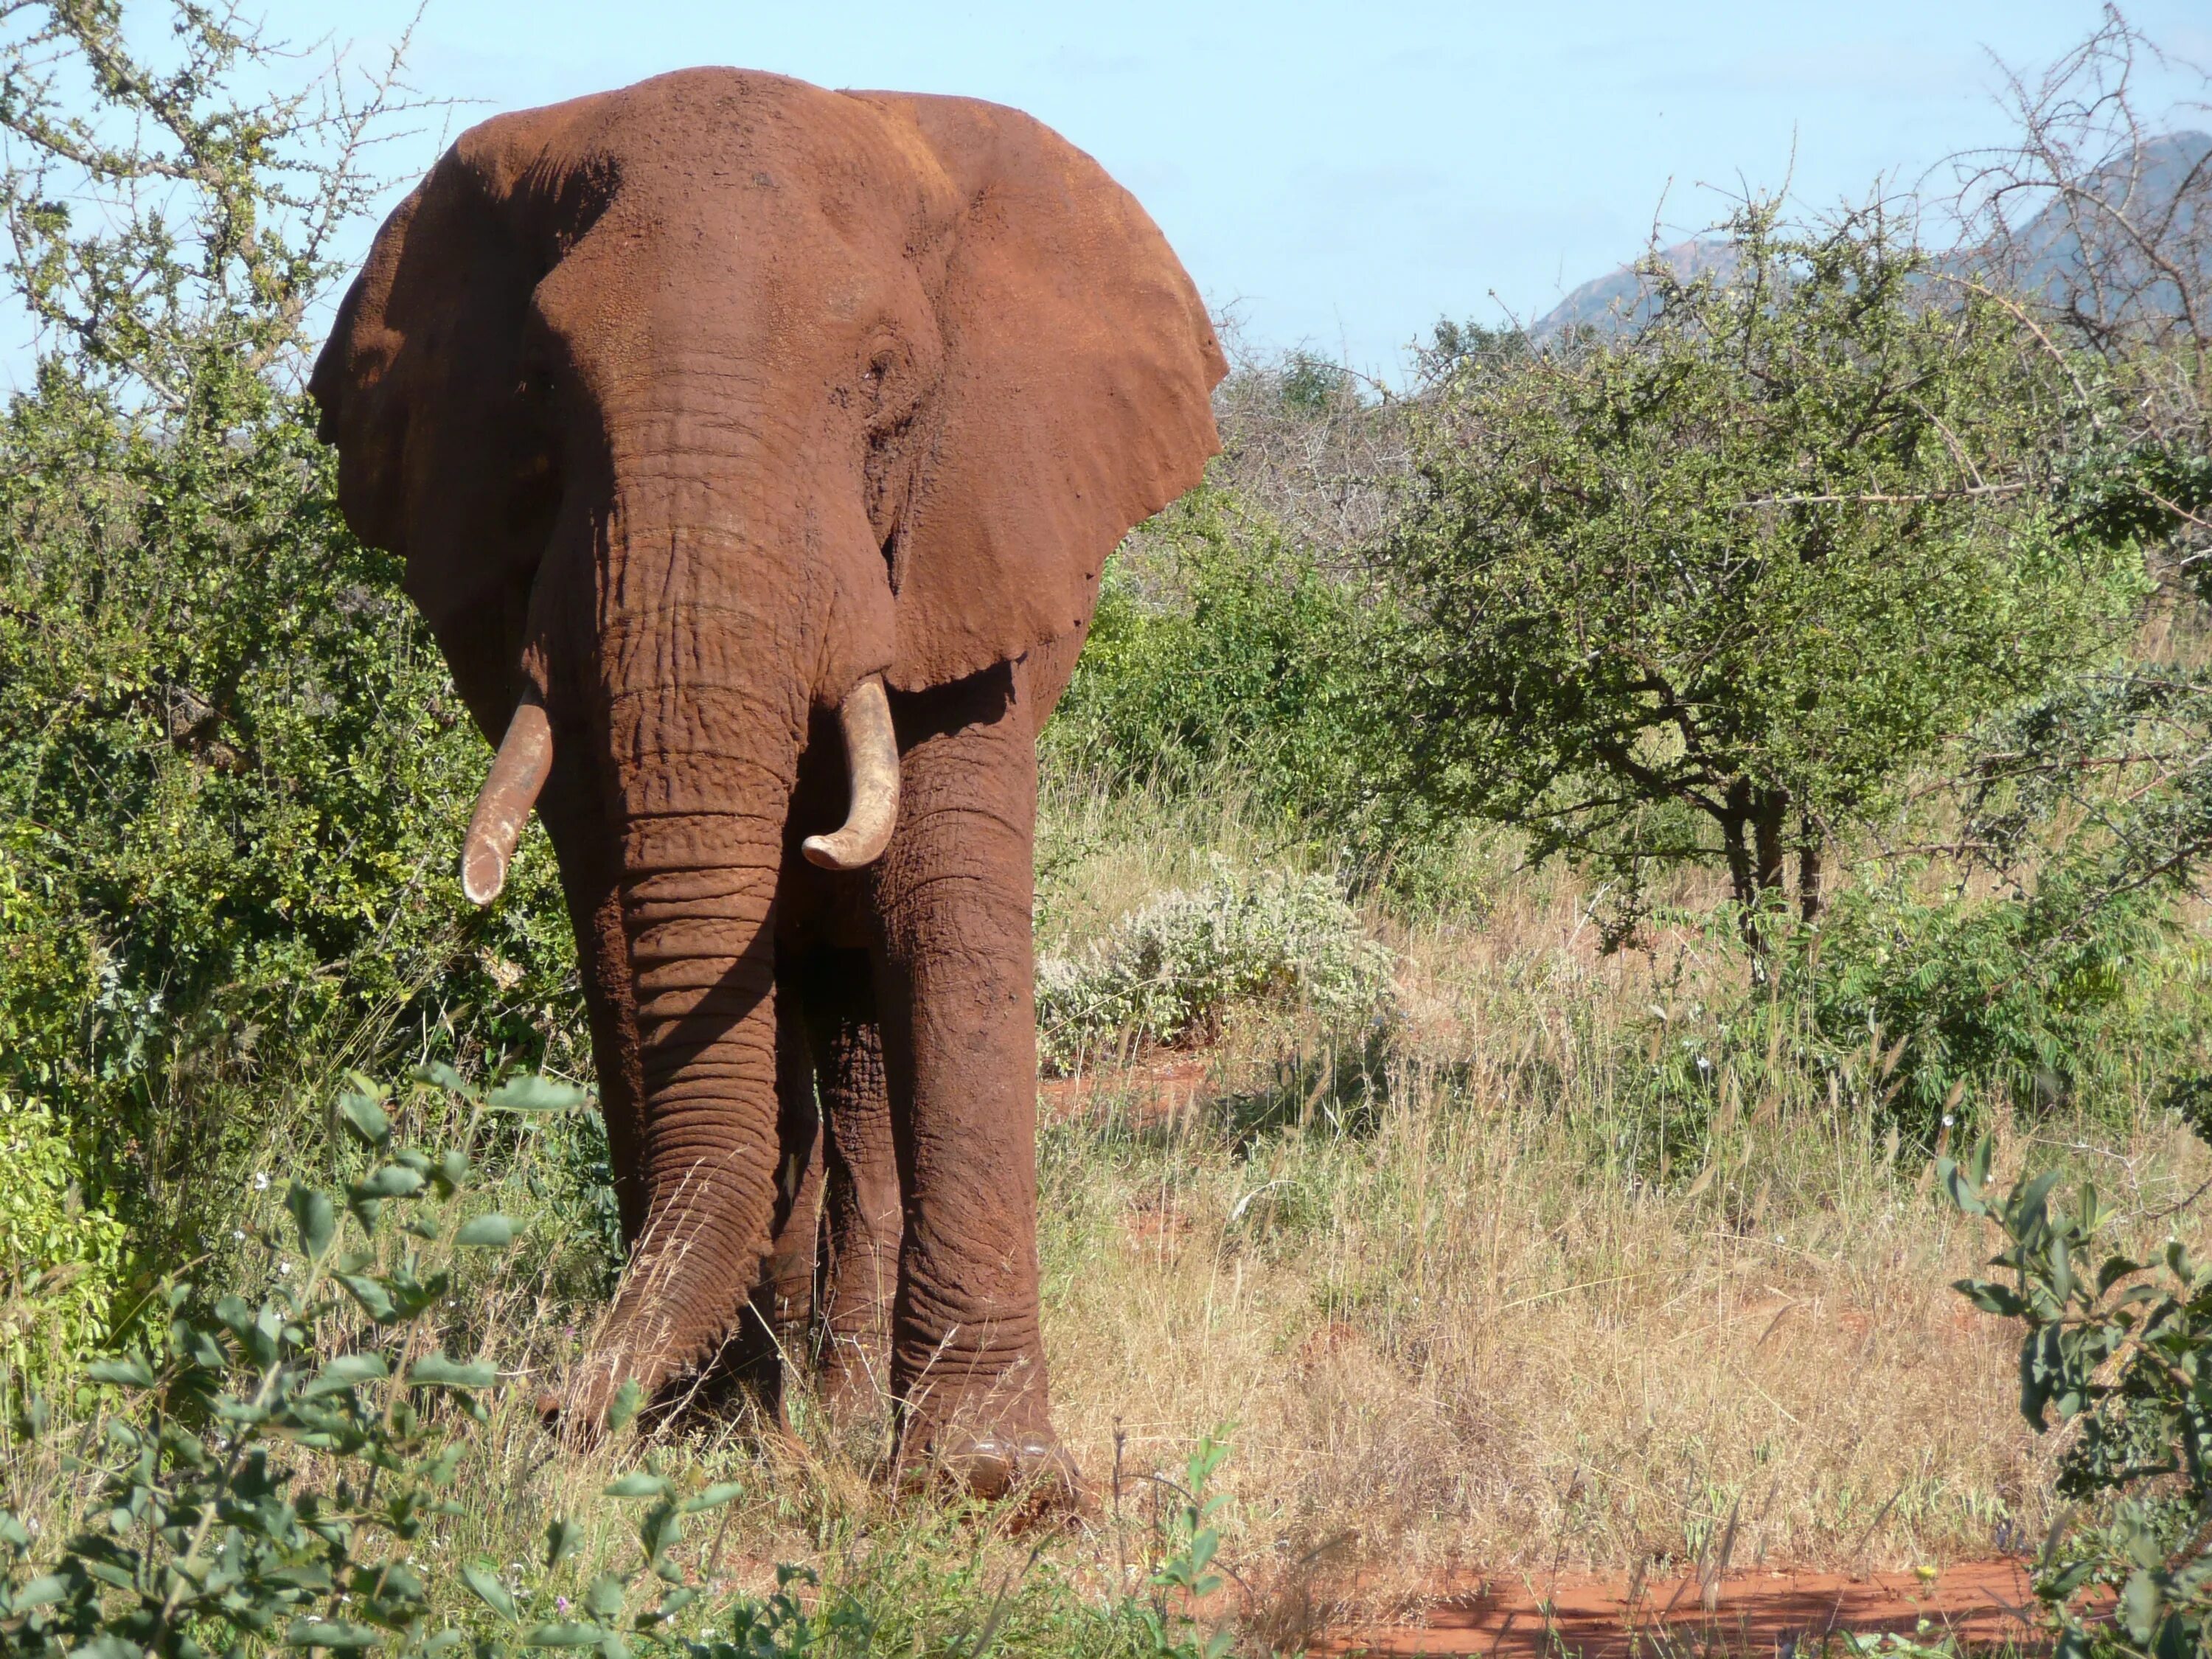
(753, 451)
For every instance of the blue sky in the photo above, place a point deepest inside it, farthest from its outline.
(1340, 174)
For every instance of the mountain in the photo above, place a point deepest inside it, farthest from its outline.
(1617, 303)
(2044, 256)
(2085, 257)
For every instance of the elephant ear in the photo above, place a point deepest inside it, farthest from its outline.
(1074, 401)
(420, 385)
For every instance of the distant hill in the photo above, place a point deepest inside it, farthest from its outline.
(2045, 252)
(1617, 302)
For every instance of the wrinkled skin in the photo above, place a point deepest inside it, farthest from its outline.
(691, 407)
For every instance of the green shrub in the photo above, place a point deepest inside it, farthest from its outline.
(2036, 999)
(1220, 648)
(60, 1258)
(233, 772)
(1929, 1010)
(1186, 1579)
(2121, 1351)
(202, 1537)
(1174, 970)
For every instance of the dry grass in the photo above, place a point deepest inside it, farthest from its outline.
(1456, 1318)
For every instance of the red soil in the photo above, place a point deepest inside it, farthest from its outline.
(1979, 1604)
(1147, 1090)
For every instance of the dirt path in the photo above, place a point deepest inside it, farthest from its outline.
(1979, 1604)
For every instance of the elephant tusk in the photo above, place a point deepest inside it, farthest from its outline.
(510, 790)
(872, 752)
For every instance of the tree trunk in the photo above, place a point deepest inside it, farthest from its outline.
(1734, 839)
(1808, 868)
(1768, 816)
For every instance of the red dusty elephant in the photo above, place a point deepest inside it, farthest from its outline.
(753, 451)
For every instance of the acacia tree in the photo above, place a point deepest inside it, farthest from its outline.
(1705, 591)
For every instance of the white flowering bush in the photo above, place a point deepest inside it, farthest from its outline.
(1173, 972)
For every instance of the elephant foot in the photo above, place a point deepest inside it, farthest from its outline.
(713, 1393)
(1029, 1468)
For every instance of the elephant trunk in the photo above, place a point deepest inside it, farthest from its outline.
(708, 703)
(697, 900)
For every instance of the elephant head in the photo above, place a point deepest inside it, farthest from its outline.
(702, 411)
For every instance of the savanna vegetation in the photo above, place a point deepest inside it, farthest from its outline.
(1569, 894)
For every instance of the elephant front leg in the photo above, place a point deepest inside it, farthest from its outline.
(773, 1331)
(856, 1262)
(968, 1366)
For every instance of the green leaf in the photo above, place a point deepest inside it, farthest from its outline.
(2059, 1585)
(564, 1538)
(486, 1232)
(2141, 1604)
(481, 1578)
(2028, 1202)
(439, 1074)
(603, 1598)
(533, 1093)
(346, 1371)
(40, 1592)
(129, 1371)
(387, 1180)
(624, 1406)
(1963, 1193)
(365, 1118)
(657, 1530)
(315, 1217)
(1991, 1298)
(437, 1370)
(376, 1301)
(639, 1484)
(713, 1497)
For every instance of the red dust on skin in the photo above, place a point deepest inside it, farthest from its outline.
(690, 408)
